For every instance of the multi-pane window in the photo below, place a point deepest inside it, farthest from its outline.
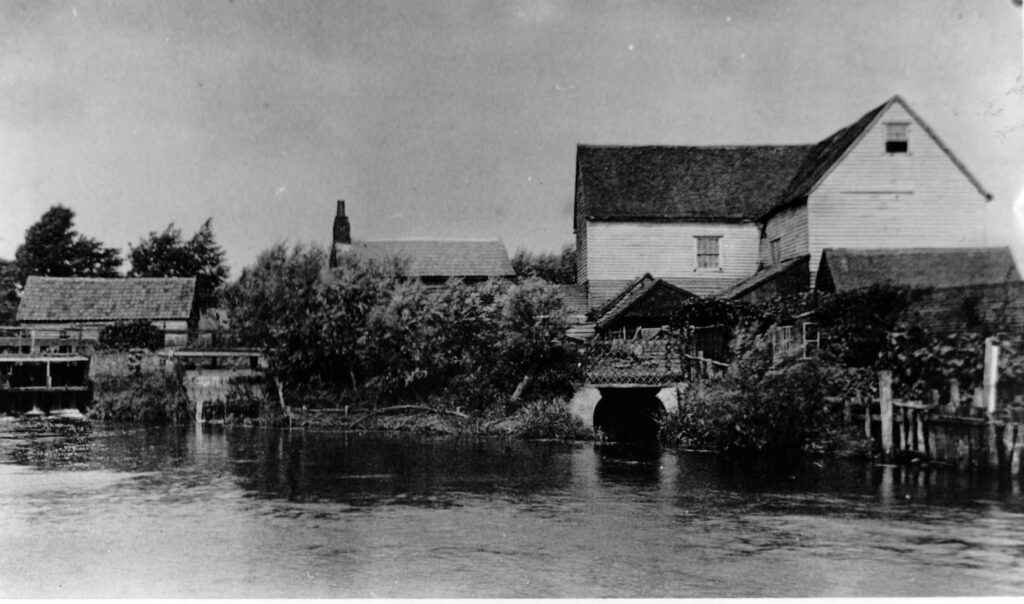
(896, 137)
(708, 253)
(775, 248)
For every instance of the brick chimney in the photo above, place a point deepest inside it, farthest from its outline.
(342, 230)
(342, 240)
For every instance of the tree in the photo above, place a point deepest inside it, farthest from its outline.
(52, 248)
(555, 268)
(8, 292)
(167, 255)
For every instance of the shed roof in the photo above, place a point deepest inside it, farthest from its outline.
(761, 277)
(106, 299)
(844, 269)
(442, 258)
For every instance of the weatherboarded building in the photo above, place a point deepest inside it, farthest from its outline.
(753, 221)
(54, 306)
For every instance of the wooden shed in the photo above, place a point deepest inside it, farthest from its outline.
(52, 306)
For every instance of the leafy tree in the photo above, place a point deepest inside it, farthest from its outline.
(8, 292)
(125, 335)
(53, 248)
(166, 254)
(275, 305)
(555, 268)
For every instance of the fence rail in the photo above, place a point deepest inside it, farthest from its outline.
(656, 357)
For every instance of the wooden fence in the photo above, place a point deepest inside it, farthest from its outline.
(981, 434)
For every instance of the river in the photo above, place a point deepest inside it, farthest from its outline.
(215, 512)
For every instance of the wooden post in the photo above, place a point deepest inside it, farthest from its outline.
(885, 402)
(991, 375)
(954, 396)
(1009, 432)
(922, 445)
(867, 414)
(49, 378)
(847, 412)
(1018, 445)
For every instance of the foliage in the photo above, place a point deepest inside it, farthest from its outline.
(148, 397)
(854, 325)
(276, 305)
(363, 327)
(124, 335)
(707, 311)
(53, 248)
(9, 292)
(551, 267)
(166, 254)
(922, 362)
(759, 407)
(550, 419)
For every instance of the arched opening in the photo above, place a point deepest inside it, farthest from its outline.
(629, 414)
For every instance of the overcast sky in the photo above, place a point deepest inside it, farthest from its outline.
(456, 118)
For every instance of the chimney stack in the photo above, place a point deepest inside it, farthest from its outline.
(342, 235)
(342, 230)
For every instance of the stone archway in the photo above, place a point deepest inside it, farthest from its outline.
(629, 414)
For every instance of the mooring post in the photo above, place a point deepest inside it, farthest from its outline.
(954, 396)
(867, 414)
(988, 386)
(885, 403)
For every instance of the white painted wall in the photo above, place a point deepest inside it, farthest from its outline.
(618, 252)
(874, 199)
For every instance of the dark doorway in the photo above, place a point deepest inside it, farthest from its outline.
(629, 414)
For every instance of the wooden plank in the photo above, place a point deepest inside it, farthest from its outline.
(1018, 450)
(885, 401)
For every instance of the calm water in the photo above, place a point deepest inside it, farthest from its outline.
(166, 512)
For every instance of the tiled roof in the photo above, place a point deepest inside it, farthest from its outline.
(98, 299)
(442, 258)
(683, 183)
(721, 184)
(633, 294)
(760, 278)
(848, 269)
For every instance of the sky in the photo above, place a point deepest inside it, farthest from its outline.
(457, 119)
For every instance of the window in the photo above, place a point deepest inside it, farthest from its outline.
(896, 137)
(775, 249)
(708, 256)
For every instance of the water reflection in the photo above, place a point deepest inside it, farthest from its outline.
(301, 513)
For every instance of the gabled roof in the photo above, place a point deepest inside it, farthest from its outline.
(442, 258)
(683, 183)
(828, 153)
(633, 296)
(720, 184)
(849, 269)
(62, 299)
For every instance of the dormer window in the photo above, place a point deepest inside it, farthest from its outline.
(896, 137)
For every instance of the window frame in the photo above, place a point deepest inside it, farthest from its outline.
(775, 250)
(699, 253)
(897, 137)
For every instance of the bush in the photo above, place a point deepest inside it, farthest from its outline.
(550, 419)
(762, 408)
(125, 335)
(148, 397)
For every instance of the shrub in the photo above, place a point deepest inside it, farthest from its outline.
(125, 335)
(148, 397)
(755, 406)
(550, 419)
